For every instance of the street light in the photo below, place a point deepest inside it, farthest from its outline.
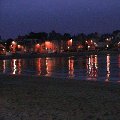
(88, 47)
(13, 42)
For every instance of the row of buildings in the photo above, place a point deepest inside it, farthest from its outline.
(24, 45)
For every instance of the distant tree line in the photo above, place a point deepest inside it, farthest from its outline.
(81, 37)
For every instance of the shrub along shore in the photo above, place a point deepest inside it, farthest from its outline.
(46, 98)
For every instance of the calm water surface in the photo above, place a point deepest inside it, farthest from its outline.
(92, 67)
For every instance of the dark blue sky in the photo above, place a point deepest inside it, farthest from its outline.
(19, 17)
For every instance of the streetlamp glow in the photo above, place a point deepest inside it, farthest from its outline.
(19, 46)
(13, 42)
(88, 47)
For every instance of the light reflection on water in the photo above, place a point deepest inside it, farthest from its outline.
(71, 67)
(92, 67)
(108, 68)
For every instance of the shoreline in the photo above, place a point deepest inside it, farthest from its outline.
(46, 98)
(21, 76)
(67, 54)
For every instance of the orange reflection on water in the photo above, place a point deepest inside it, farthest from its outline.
(92, 66)
(71, 67)
(38, 66)
(4, 66)
(50, 63)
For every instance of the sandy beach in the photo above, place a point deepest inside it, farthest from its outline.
(44, 98)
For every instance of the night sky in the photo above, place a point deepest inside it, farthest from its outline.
(19, 17)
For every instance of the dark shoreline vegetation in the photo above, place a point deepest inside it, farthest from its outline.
(53, 35)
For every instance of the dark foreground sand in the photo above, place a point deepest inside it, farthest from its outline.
(40, 98)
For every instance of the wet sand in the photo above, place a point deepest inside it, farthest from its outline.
(44, 98)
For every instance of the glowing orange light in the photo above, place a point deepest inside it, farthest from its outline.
(37, 45)
(13, 42)
(48, 45)
(19, 46)
(70, 40)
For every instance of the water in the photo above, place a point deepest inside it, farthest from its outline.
(92, 67)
